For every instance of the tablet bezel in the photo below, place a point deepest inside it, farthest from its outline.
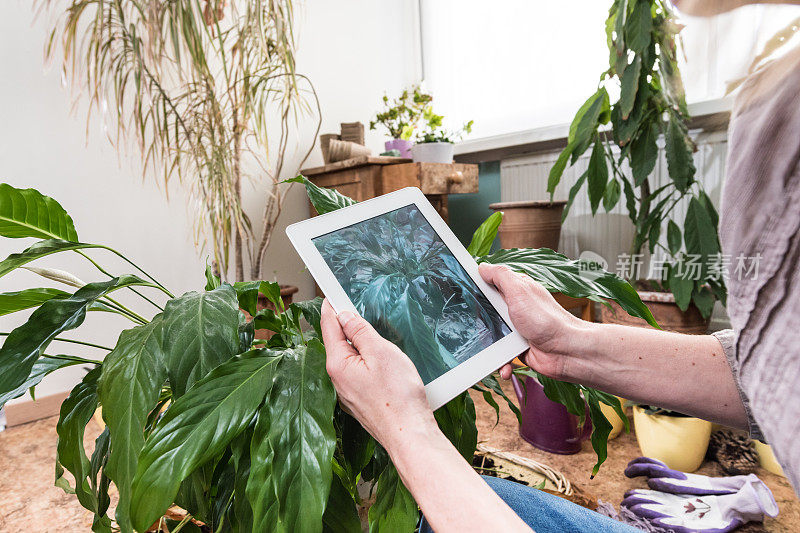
(453, 382)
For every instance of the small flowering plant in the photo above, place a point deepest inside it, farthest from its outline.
(403, 113)
(434, 131)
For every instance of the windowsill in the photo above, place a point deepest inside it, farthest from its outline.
(709, 115)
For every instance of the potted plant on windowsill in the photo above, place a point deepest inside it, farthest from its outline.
(400, 118)
(687, 268)
(434, 143)
(678, 440)
(205, 91)
(245, 435)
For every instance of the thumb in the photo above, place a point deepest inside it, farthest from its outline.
(502, 277)
(357, 330)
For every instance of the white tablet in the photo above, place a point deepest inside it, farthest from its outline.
(394, 261)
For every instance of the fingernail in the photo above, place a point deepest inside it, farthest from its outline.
(345, 317)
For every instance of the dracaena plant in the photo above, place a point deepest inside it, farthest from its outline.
(243, 434)
(641, 38)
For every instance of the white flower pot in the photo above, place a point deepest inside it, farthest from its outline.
(432, 153)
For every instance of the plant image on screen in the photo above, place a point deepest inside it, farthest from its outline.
(404, 280)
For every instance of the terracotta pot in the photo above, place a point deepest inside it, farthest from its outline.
(287, 295)
(679, 441)
(667, 314)
(530, 224)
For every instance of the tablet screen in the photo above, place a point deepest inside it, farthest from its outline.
(404, 280)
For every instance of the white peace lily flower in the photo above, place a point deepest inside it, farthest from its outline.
(60, 276)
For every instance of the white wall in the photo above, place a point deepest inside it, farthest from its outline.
(352, 50)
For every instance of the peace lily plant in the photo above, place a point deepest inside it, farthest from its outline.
(244, 434)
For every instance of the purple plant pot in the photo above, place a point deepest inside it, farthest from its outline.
(402, 145)
(547, 424)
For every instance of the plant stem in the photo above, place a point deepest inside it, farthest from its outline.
(124, 310)
(137, 267)
(110, 275)
(73, 358)
(182, 523)
(6, 334)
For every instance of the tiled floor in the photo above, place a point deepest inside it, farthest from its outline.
(30, 502)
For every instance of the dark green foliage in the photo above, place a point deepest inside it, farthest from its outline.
(641, 35)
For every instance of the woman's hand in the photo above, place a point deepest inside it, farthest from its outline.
(375, 380)
(551, 331)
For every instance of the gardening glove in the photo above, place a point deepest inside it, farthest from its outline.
(664, 479)
(683, 513)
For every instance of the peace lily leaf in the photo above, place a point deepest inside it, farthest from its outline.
(312, 312)
(601, 428)
(680, 162)
(574, 278)
(212, 281)
(491, 382)
(129, 387)
(11, 302)
(456, 419)
(247, 293)
(24, 344)
(597, 175)
(273, 293)
(323, 200)
(29, 213)
(394, 510)
(484, 236)
(196, 428)
(201, 331)
(76, 411)
(293, 444)
(341, 514)
(40, 249)
(101, 522)
(41, 368)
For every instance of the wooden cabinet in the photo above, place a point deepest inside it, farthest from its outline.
(365, 177)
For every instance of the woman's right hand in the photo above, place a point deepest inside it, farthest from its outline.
(551, 331)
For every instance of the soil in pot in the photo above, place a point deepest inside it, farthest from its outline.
(679, 441)
(666, 312)
(530, 224)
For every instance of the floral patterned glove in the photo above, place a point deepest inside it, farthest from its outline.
(683, 513)
(665, 479)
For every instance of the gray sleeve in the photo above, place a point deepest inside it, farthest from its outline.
(727, 338)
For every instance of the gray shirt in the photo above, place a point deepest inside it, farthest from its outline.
(760, 221)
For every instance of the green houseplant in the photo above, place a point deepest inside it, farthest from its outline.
(244, 434)
(208, 92)
(400, 117)
(434, 142)
(641, 38)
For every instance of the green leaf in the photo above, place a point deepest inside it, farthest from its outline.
(700, 234)
(312, 312)
(573, 278)
(101, 522)
(394, 510)
(40, 249)
(674, 238)
(639, 26)
(130, 385)
(11, 302)
(630, 199)
(247, 294)
(601, 429)
(29, 213)
(681, 288)
(484, 236)
(584, 125)
(456, 419)
(678, 148)
(706, 202)
(629, 84)
(24, 344)
(323, 200)
(597, 175)
(558, 169)
(42, 367)
(76, 411)
(212, 281)
(341, 514)
(201, 331)
(644, 153)
(491, 382)
(293, 443)
(196, 428)
(611, 195)
(273, 293)
(703, 299)
(573, 192)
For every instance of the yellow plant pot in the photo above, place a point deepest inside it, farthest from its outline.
(767, 459)
(680, 442)
(617, 424)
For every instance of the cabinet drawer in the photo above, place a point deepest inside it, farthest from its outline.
(431, 178)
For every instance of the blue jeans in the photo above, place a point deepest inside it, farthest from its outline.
(546, 513)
